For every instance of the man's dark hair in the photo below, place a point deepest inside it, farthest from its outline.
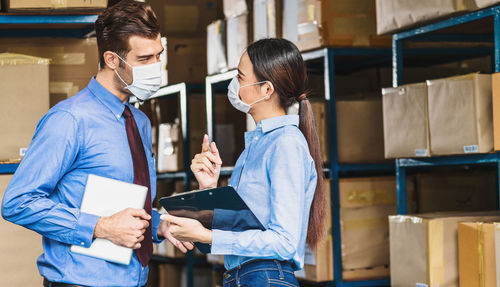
(119, 22)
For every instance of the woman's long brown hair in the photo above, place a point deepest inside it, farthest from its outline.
(280, 62)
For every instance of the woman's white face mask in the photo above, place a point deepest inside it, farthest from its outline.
(233, 94)
(146, 80)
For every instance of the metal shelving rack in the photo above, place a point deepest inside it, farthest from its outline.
(425, 33)
(334, 169)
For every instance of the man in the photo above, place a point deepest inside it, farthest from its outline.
(96, 132)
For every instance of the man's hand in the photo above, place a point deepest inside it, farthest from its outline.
(187, 229)
(164, 230)
(125, 228)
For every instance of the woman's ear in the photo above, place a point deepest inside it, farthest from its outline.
(111, 60)
(267, 89)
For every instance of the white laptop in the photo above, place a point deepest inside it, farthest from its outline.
(105, 197)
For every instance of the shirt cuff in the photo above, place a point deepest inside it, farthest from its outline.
(155, 224)
(84, 232)
(222, 242)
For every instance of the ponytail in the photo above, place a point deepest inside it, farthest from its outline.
(317, 213)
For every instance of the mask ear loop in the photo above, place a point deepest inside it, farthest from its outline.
(126, 85)
(264, 98)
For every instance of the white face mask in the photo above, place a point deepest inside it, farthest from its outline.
(233, 94)
(146, 80)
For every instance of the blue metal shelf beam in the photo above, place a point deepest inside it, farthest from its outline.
(47, 19)
(8, 168)
(53, 25)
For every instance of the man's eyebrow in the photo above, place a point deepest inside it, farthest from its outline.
(150, 55)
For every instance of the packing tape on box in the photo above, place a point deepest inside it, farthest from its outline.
(12, 59)
(435, 252)
(480, 252)
(405, 218)
(59, 3)
(365, 223)
(370, 196)
(56, 55)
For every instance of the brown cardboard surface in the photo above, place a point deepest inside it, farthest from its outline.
(187, 60)
(40, 5)
(360, 133)
(394, 15)
(457, 191)
(73, 61)
(495, 79)
(424, 248)
(27, 86)
(460, 114)
(20, 249)
(319, 111)
(366, 192)
(476, 249)
(338, 23)
(406, 126)
(186, 18)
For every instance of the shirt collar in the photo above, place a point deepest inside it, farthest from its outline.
(271, 124)
(111, 101)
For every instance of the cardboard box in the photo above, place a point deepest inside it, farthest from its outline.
(478, 254)
(216, 47)
(186, 18)
(495, 79)
(73, 61)
(341, 23)
(395, 15)
(365, 204)
(25, 80)
(233, 8)
(186, 60)
(360, 135)
(267, 19)
(169, 275)
(460, 114)
(167, 249)
(237, 39)
(20, 249)
(424, 248)
(457, 191)
(319, 110)
(50, 5)
(406, 126)
(480, 4)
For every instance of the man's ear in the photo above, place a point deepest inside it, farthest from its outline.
(111, 60)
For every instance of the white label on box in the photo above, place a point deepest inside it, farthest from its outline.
(422, 285)
(309, 257)
(22, 151)
(471, 148)
(421, 152)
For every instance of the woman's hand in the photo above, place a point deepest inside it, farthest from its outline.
(206, 165)
(187, 229)
(164, 230)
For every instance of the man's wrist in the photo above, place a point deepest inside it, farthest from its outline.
(99, 230)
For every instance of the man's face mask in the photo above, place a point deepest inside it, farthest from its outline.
(146, 80)
(233, 94)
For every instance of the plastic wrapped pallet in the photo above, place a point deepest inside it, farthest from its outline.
(237, 39)
(480, 4)
(216, 47)
(394, 15)
(170, 147)
(233, 8)
(424, 248)
(479, 254)
(341, 23)
(25, 87)
(406, 126)
(460, 114)
(267, 19)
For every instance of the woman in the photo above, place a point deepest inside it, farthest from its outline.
(278, 175)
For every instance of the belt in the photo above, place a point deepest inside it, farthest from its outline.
(47, 283)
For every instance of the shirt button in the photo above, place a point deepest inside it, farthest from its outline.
(142, 268)
(256, 138)
(83, 243)
(117, 116)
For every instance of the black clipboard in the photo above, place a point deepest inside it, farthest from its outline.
(202, 204)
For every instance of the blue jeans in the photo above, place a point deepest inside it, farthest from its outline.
(261, 273)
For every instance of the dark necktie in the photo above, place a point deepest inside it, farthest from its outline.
(141, 177)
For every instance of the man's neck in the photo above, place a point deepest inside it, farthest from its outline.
(105, 77)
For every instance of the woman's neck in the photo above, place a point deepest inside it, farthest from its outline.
(264, 116)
